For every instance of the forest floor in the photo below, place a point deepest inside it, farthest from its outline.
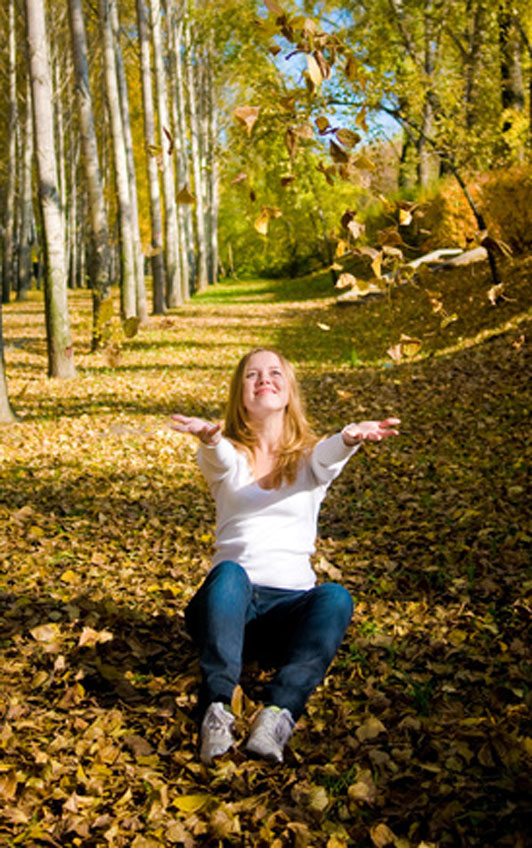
(421, 734)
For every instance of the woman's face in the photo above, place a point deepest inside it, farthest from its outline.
(265, 387)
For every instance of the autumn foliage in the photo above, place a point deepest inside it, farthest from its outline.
(421, 732)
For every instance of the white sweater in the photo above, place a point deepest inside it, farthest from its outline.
(271, 533)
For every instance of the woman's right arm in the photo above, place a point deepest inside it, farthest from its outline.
(216, 456)
(208, 432)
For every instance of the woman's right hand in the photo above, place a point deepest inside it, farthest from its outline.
(207, 432)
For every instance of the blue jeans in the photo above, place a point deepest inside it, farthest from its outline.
(295, 632)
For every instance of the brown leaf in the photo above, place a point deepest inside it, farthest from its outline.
(185, 196)
(338, 155)
(364, 789)
(248, 116)
(347, 137)
(370, 729)
(381, 835)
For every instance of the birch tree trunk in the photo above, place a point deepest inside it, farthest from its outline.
(99, 265)
(174, 24)
(60, 350)
(157, 259)
(128, 289)
(26, 207)
(202, 279)
(213, 173)
(9, 220)
(7, 416)
(173, 276)
(142, 308)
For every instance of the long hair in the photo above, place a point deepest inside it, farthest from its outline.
(297, 438)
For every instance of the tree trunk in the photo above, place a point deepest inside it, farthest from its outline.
(26, 207)
(99, 265)
(7, 416)
(173, 275)
(174, 23)
(8, 276)
(142, 307)
(213, 173)
(157, 258)
(128, 290)
(60, 351)
(512, 90)
(202, 279)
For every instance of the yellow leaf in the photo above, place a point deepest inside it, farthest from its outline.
(185, 196)
(131, 326)
(273, 7)
(314, 71)
(409, 346)
(89, 637)
(322, 124)
(364, 163)
(69, 576)
(347, 137)
(381, 836)
(334, 842)
(364, 789)
(324, 327)
(370, 729)
(35, 530)
(191, 803)
(46, 632)
(345, 281)
(405, 217)
(376, 265)
(343, 395)
(106, 310)
(248, 116)
(527, 745)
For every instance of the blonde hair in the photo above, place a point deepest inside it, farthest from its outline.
(297, 438)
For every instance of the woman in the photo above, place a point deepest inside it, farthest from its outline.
(268, 474)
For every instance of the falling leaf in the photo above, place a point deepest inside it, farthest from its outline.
(337, 153)
(322, 124)
(405, 217)
(131, 326)
(325, 327)
(347, 137)
(248, 116)
(185, 196)
(343, 394)
(364, 163)
(314, 71)
(273, 7)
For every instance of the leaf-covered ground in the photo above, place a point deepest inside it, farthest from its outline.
(421, 734)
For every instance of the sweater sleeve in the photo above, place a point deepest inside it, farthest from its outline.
(329, 457)
(217, 461)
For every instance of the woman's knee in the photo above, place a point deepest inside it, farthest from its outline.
(337, 600)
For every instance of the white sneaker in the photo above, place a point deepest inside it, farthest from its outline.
(216, 732)
(270, 732)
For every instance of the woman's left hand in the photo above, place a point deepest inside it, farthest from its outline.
(371, 431)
